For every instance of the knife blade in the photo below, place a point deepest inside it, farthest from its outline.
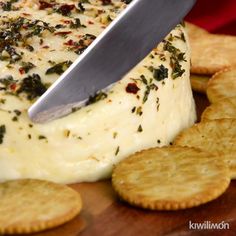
(121, 46)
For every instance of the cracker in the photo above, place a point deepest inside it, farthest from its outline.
(194, 31)
(222, 85)
(199, 82)
(29, 206)
(212, 53)
(224, 108)
(170, 178)
(216, 136)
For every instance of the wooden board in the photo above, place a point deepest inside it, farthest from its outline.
(104, 215)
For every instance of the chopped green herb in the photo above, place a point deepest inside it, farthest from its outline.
(7, 81)
(2, 133)
(59, 68)
(149, 86)
(177, 70)
(146, 94)
(117, 150)
(143, 79)
(170, 48)
(2, 100)
(9, 53)
(160, 73)
(151, 56)
(77, 24)
(97, 97)
(183, 37)
(74, 109)
(37, 27)
(15, 118)
(176, 56)
(171, 38)
(109, 19)
(127, 1)
(182, 23)
(115, 135)
(162, 57)
(140, 128)
(26, 67)
(7, 6)
(81, 7)
(67, 133)
(139, 111)
(133, 109)
(83, 43)
(181, 56)
(29, 48)
(32, 86)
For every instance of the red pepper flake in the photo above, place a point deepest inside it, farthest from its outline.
(45, 46)
(105, 2)
(44, 5)
(90, 22)
(25, 26)
(21, 70)
(63, 33)
(26, 14)
(66, 9)
(66, 21)
(69, 43)
(13, 87)
(132, 88)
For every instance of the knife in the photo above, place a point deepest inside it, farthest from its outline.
(121, 46)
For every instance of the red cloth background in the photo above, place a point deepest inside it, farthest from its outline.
(217, 16)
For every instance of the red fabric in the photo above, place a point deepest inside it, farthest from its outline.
(217, 16)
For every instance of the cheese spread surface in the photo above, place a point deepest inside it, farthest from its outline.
(39, 40)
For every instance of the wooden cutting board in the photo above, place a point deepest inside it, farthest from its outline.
(104, 215)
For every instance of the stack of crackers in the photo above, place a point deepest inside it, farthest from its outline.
(211, 54)
(200, 164)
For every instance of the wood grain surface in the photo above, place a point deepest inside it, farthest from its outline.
(104, 214)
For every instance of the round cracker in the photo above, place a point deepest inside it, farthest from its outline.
(222, 85)
(216, 136)
(29, 206)
(212, 53)
(199, 82)
(224, 108)
(170, 178)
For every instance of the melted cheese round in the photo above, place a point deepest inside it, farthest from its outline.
(146, 108)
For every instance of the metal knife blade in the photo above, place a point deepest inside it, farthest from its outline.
(122, 45)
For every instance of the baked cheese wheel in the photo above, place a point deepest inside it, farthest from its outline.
(148, 107)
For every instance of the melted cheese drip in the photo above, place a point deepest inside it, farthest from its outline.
(85, 145)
